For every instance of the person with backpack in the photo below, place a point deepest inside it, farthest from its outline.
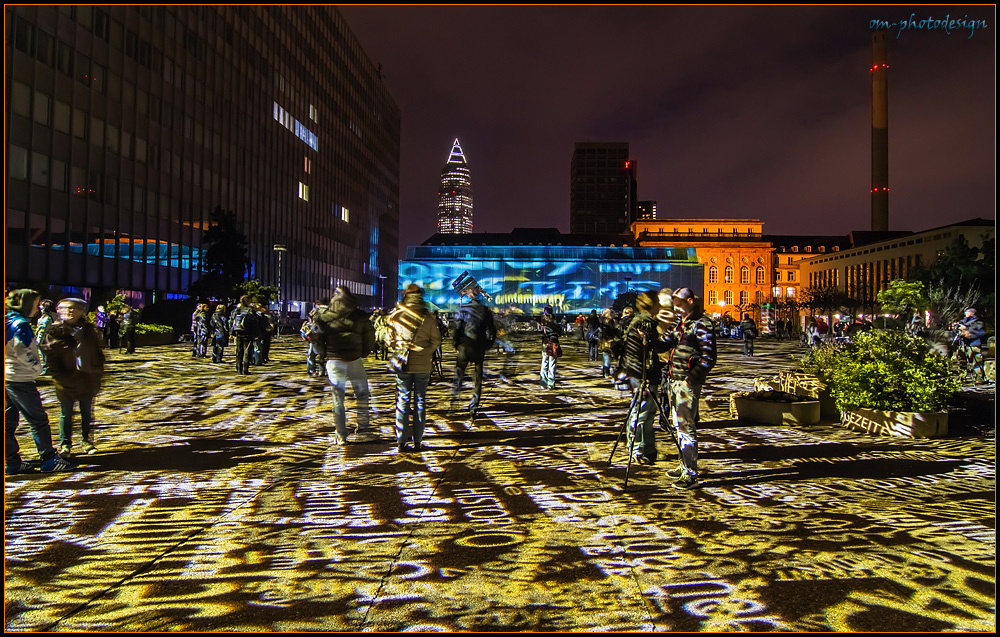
(76, 362)
(21, 368)
(748, 327)
(130, 318)
(199, 330)
(349, 337)
(412, 328)
(243, 324)
(220, 333)
(475, 334)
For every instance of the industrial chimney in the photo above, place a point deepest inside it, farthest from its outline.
(880, 131)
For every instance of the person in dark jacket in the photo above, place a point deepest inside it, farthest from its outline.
(413, 328)
(640, 362)
(475, 334)
(76, 362)
(693, 345)
(551, 331)
(349, 337)
(200, 323)
(220, 332)
(973, 332)
(243, 326)
(748, 327)
(130, 317)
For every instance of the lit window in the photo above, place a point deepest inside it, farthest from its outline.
(729, 274)
(303, 191)
(713, 274)
(777, 292)
(790, 292)
(728, 297)
(744, 275)
(744, 297)
(308, 166)
(713, 297)
(760, 276)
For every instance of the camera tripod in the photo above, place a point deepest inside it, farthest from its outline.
(634, 407)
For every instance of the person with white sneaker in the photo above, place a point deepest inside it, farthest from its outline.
(22, 366)
(76, 364)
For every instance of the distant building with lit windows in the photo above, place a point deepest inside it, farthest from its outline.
(128, 125)
(645, 210)
(455, 195)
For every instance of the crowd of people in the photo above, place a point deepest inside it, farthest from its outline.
(661, 351)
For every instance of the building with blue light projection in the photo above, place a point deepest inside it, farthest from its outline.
(531, 268)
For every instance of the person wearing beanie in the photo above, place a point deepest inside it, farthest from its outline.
(22, 366)
(412, 328)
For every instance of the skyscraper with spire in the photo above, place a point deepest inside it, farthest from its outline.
(455, 194)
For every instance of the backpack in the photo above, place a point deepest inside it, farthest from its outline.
(245, 322)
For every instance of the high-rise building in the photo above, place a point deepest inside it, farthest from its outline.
(127, 126)
(455, 195)
(645, 210)
(602, 188)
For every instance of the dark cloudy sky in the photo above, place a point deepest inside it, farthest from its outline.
(730, 112)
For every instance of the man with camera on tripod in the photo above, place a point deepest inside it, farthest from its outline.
(640, 368)
(693, 345)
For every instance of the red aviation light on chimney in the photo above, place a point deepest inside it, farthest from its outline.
(627, 164)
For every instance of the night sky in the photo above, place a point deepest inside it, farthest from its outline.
(730, 112)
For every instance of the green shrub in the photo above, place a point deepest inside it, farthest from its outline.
(822, 358)
(149, 328)
(890, 371)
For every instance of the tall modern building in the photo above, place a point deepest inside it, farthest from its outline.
(455, 195)
(645, 210)
(128, 125)
(602, 195)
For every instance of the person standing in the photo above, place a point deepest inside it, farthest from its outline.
(475, 334)
(76, 361)
(551, 331)
(609, 335)
(641, 364)
(693, 345)
(46, 317)
(114, 336)
(413, 328)
(349, 337)
(22, 366)
(101, 322)
(129, 319)
(748, 327)
(243, 325)
(220, 333)
(593, 332)
(199, 330)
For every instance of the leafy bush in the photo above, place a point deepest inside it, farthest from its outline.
(149, 328)
(886, 370)
(821, 359)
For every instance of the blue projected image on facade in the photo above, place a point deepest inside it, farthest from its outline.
(173, 255)
(576, 285)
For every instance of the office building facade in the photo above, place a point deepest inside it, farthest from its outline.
(603, 188)
(128, 126)
(455, 194)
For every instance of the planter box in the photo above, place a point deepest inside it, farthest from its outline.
(904, 424)
(145, 340)
(812, 386)
(806, 412)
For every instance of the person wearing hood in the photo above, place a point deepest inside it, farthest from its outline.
(475, 334)
(413, 328)
(349, 337)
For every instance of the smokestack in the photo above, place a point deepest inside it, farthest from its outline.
(880, 131)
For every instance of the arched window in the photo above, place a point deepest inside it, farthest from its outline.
(744, 275)
(729, 274)
(713, 274)
(760, 276)
(728, 296)
(744, 297)
(713, 297)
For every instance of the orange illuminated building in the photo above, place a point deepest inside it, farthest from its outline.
(736, 256)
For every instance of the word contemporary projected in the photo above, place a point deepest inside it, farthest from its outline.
(529, 285)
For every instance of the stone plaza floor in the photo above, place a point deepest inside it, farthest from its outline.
(218, 502)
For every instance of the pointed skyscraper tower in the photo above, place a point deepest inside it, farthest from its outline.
(455, 194)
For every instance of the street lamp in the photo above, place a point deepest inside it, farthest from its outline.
(381, 284)
(280, 249)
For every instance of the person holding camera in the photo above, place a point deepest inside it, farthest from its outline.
(641, 365)
(551, 350)
(693, 345)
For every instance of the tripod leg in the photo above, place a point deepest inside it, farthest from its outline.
(666, 420)
(634, 405)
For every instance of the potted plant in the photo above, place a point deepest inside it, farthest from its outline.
(812, 380)
(775, 407)
(889, 382)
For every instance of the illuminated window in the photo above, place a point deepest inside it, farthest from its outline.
(744, 297)
(303, 191)
(790, 292)
(777, 292)
(713, 274)
(729, 274)
(744, 275)
(342, 212)
(313, 114)
(308, 166)
(760, 276)
(713, 297)
(728, 297)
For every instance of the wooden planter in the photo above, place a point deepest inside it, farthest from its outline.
(905, 424)
(808, 385)
(152, 338)
(806, 412)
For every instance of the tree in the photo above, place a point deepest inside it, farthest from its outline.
(903, 298)
(257, 292)
(225, 264)
(961, 277)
